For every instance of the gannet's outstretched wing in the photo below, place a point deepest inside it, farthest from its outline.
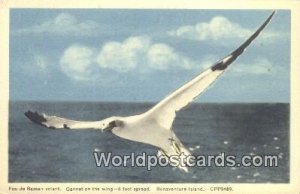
(55, 122)
(165, 111)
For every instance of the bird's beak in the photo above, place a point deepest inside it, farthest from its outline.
(109, 127)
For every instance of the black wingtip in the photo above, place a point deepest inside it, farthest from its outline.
(273, 12)
(224, 63)
(219, 66)
(66, 126)
(35, 117)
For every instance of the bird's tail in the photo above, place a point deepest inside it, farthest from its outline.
(177, 155)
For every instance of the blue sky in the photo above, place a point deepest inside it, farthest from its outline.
(143, 55)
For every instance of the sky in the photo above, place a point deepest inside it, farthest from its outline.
(142, 55)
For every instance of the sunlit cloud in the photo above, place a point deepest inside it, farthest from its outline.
(217, 29)
(63, 24)
(133, 54)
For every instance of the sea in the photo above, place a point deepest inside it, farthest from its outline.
(38, 154)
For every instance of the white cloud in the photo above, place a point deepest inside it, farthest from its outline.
(124, 56)
(218, 28)
(133, 54)
(161, 56)
(64, 24)
(78, 62)
(141, 55)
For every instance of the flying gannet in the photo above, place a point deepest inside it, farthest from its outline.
(154, 127)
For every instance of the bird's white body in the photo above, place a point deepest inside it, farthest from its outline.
(154, 127)
(144, 129)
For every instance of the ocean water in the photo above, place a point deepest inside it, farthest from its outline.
(38, 154)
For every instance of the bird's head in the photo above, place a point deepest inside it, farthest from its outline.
(112, 123)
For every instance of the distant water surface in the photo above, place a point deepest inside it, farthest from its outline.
(38, 154)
